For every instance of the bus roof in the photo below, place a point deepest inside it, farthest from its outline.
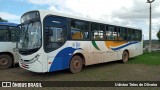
(8, 24)
(44, 13)
(52, 12)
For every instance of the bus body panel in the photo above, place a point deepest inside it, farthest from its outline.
(60, 58)
(36, 62)
(94, 52)
(8, 41)
(9, 47)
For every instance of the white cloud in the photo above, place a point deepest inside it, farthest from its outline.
(41, 2)
(133, 13)
(9, 16)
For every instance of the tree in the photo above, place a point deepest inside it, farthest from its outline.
(3, 20)
(158, 35)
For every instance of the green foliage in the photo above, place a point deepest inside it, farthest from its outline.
(3, 20)
(147, 58)
(158, 35)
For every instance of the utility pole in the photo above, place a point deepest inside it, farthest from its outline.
(150, 23)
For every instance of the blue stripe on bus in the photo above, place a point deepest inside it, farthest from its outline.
(8, 24)
(62, 59)
(120, 47)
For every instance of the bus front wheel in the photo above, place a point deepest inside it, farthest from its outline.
(125, 57)
(76, 64)
(5, 61)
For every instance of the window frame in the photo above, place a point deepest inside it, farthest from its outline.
(106, 28)
(44, 42)
(115, 30)
(92, 31)
(89, 30)
(9, 39)
(17, 34)
(119, 31)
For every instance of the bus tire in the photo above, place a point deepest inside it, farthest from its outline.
(76, 64)
(5, 61)
(125, 57)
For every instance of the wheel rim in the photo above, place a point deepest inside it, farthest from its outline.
(125, 57)
(76, 64)
(3, 61)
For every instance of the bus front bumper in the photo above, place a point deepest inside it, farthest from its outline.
(36, 66)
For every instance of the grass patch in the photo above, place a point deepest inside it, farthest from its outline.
(146, 58)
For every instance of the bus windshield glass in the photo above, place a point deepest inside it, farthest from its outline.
(30, 35)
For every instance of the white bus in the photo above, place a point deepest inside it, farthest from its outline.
(54, 41)
(8, 43)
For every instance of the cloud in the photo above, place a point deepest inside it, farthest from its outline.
(9, 16)
(41, 2)
(132, 13)
(47, 2)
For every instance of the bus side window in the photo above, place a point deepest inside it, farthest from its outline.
(138, 35)
(97, 31)
(125, 34)
(121, 33)
(4, 33)
(79, 30)
(14, 33)
(133, 35)
(112, 33)
(106, 34)
(77, 35)
(129, 34)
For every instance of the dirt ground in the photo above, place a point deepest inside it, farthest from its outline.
(113, 71)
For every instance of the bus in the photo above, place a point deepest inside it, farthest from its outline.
(8, 43)
(54, 41)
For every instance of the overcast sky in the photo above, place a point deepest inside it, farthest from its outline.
(132, 13)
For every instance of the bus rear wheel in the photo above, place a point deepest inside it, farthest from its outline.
(76, 64)
(5, 61)
(125, 57)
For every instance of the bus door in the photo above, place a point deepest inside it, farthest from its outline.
(55, 29)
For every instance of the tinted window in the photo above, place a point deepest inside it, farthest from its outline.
(111, 33)
(122, 35)
(134, 35)
(79, 30)
(15, 32)
(97, 31)
(138, 35)
(55, 32)
(4, 33)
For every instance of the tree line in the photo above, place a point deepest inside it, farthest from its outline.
(3, 20)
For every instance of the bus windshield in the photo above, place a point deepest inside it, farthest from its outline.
(30, 35)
